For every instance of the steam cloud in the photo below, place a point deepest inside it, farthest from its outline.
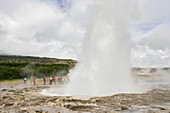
(104, 64)
(57, 29)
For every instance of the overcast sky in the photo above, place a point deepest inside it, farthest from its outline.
(57, 28)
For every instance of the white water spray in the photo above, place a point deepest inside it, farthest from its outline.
(104, 68)
(104, 63)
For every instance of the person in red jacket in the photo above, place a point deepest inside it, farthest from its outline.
(58, 80)
(54, 82)
(34, 80)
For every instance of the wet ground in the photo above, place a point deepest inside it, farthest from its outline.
(23, 98)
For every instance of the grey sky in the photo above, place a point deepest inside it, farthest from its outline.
(44, 28)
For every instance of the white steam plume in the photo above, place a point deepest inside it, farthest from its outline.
(104, 63)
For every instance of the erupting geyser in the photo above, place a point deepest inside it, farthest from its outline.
(103, 66)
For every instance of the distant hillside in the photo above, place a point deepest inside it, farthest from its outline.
(31, 59)
(17, 67)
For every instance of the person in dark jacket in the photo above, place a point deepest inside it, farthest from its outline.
(44, 79)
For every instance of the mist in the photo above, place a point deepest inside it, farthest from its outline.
(104, 64)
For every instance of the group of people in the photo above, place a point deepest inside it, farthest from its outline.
(32, 80)
(52, 80)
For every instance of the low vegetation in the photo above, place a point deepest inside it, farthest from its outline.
(17, 67)
(20, 70)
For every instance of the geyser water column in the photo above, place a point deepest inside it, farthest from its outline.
(103, 67)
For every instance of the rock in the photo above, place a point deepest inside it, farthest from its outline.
(124, 108)
(61, 104)
(161, 107)
(4, 89)
(118, 109)
(19, 91)
(23, 109)
(9, 104)
(16, 104)
(5, 97)
(38, 111)
(97, 100)
(2, 106)
(26, 90)
(153, 111)
(68, 96)
(11, 91)
(52, 104)
(26, 99)
(58, 100)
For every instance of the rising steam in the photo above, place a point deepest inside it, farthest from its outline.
(104, 67)
(104, 63)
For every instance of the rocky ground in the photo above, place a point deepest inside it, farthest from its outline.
(27, 99)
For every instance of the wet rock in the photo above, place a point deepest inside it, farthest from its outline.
(74, 100)
(16, 104)
(52, 104)
(19, 91)
(97, 100)
(51, 99)
(124, 108)
(4, 89)
(160, 107)
(26, 90)
(61, 104)
(153, 111)
(9, 104)
(118, 109)
(38, 111)
(5, 97)
(2, 106)
(26, 99)
(23, 110)
(13, 100)
(76, 107)
(11, 90)
(32, 103)
(68, 96)
(58, 100)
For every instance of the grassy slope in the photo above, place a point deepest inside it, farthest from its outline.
(17, 67)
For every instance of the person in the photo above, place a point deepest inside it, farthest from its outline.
(34, 79)
(63, 79)
(31, 80)
(25, 79)
(54, 82)
(44, 79)
(50, 80)
(58, 80)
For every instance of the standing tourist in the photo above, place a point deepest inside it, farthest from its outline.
(31, 80)
(54, 80)
(58, 80)
(25, 79)
(63, 79)
(34, 79)
(44, 79)
(51, 80)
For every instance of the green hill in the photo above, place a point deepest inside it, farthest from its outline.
(17, 67)
(31, 59)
